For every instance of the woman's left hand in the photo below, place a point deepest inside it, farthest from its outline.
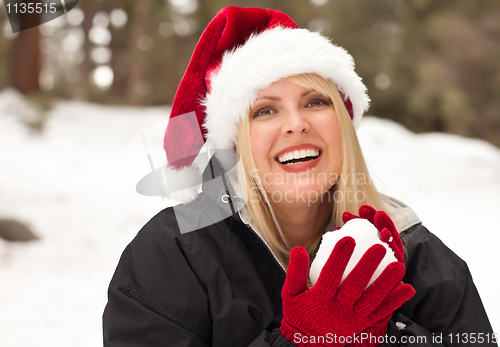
(390, 235)
(384, 224)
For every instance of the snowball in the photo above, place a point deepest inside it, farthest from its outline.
(365, 234)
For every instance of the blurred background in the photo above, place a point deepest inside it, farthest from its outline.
(77, 95)
(431, 65)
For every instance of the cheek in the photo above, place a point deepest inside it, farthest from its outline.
(337, 153)
(330, 132)
(261, 140)
(334, 141)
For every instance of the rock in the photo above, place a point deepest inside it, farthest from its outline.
(15, 231)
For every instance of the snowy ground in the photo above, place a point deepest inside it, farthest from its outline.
(74, 186)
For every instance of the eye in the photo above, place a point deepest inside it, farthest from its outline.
(317, 102)
(264, 111)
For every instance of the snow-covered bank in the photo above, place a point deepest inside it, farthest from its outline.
(453, 184)
(72, 185)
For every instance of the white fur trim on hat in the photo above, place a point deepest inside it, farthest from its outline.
(190, 181)
(266, 58)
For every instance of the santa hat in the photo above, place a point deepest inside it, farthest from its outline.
(242, 51)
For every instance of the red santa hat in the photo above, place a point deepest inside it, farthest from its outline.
(242, 51)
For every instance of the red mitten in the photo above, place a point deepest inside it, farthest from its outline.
(389, 235)
(370, 337)
(331, 312)
(384, 224)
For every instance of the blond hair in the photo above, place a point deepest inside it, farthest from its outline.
(354, 184)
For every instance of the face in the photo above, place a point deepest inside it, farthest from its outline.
(296, 143)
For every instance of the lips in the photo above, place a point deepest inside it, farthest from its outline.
(289, 164)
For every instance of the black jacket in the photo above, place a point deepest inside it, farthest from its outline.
(221, 286)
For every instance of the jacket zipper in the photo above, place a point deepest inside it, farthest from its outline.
(267, 247)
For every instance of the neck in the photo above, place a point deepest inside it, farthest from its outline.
(302, 222)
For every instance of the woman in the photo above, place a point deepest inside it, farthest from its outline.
(229, 266)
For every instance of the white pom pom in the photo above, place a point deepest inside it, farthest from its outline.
(365, 234)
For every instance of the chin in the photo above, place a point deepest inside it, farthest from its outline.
(299, 194)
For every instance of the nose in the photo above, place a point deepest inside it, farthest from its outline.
(296, 123)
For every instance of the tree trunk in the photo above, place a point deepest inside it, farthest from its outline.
(118, 41)
(135, 65)
(25, 63)
(90, 8)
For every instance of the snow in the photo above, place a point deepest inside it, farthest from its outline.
(453, 184)
(74, 186)
(365, 235)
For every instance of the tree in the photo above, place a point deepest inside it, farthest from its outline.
(25, 57)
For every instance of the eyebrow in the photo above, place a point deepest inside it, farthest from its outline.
(277, 98)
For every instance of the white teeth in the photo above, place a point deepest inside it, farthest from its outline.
(298, 154)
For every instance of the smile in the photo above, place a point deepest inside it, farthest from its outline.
(301, 156)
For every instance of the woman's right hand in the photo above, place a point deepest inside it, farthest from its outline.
(331, 312)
